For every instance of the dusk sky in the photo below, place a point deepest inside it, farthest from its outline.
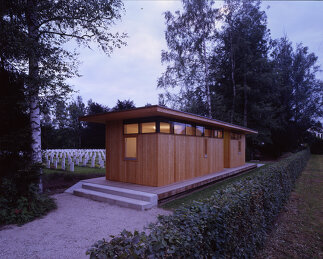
(132, 71)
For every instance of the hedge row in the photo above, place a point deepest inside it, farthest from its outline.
(232, 223)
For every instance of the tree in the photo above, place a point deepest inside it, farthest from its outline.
(76, 109)
(94, 133)
(124, 105)
(190, 37)
(243, 49)
(298, 94)
(36, 32)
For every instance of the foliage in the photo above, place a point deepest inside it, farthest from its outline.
(232, 223)
(190, 35)
(33, 42)
(124, 105)
(299, 229)
(94, 134)
(61, 127)
(298, 94)
(316, 146)
(20, 201)
(34, 34)
(18, 207)
(255, 81)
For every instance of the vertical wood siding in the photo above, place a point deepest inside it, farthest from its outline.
(163, 159)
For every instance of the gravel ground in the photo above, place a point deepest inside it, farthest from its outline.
(71, 229)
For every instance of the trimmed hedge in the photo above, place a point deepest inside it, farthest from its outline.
(232, 223)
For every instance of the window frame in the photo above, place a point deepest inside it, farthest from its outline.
(183, 123)
(193, 127)
(140, 127)
(196, 126)
(211, 132)
(170, 127)
(172, 122)
(124, 147)
(131, 134)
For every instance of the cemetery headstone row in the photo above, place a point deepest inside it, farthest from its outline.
(55, 158)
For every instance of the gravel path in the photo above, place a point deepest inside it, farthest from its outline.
(68, 231)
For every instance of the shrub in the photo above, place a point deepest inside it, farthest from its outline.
(232, 223)
(317, 146)
(17, 207)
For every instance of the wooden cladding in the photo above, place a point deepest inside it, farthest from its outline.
(150, 158)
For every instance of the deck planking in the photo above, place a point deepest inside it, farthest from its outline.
(164, 192)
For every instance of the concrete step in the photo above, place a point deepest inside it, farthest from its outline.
(137, 195)
(114, 199)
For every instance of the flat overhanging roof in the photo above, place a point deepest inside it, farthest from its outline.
(156, 110)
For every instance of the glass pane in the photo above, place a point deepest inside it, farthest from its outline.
(164, 127)
(220, 133)
(179, 128)
(215, 133)
(131, 147)
(148, 127)
(190, 130)
(199, 131)
(207, 132)
(131, 128)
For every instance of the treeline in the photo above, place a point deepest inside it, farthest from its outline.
(61, 128)
(223, 63)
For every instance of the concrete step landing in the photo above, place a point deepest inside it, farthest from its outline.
(115, 195)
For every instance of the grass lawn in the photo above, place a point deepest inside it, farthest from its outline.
(77, 170)
(299, 229)
(57, 180)
(206, 192)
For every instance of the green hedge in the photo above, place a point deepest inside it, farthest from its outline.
(232, 223)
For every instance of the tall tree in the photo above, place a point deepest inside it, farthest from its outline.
(244, 40)
(76, 109)
(190, 37)
(37, 32)
(298, 94)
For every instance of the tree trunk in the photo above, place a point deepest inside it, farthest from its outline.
(245, 91)
(35, 129)
(206, 81)
(233, 82)
(33, 88)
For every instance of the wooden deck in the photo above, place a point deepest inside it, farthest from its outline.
(164, 192)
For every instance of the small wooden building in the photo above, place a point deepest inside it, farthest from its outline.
(157, 146)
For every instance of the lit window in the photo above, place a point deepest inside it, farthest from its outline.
(179, 128)
(164, 127)
(199, 131)
(130, 148)
(148, 127)
(215, 133)
(190, 130)
(207, 132)
(131, 128)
